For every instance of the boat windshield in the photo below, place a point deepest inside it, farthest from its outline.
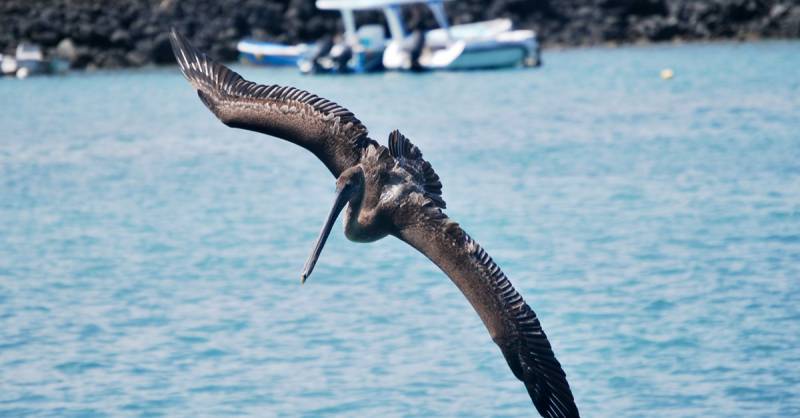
(391, 8)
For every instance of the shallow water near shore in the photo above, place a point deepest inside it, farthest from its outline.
(150, 256)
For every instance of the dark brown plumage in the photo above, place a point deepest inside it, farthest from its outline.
(388, 191)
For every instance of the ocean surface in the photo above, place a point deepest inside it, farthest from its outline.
(150, 256)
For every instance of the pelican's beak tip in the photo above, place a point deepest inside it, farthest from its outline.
(303, 278)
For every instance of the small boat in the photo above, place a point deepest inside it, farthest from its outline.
(30, 60)
(479, 45)
(252, 51)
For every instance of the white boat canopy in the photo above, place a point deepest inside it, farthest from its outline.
(367, 4)
(391, 8)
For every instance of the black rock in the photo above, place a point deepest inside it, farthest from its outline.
(83, 57)
(161, 52)
(121, 38)
(45, 37)
(136, 59)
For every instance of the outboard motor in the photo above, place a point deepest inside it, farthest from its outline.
(341, 56)
(314, 61)
(416, 48)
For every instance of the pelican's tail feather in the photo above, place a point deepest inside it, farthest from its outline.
(411, 158)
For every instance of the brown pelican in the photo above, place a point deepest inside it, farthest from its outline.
(387, 191)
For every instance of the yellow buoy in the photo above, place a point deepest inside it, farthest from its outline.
(667, 73)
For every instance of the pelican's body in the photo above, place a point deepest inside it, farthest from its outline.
(388, 191)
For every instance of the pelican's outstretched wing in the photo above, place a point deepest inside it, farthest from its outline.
(323, 127)
(512, 324)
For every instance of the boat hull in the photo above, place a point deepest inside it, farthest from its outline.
(269, 60)
(474, 46)
(269, 53)
(478, 58)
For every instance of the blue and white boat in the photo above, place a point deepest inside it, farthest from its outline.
(256, 52)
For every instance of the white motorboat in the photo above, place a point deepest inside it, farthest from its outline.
(479, 45)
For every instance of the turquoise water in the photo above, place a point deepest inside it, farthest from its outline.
(150, 256)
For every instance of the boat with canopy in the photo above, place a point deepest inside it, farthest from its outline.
(480, 45)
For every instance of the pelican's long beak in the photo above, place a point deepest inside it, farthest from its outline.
(342, 196)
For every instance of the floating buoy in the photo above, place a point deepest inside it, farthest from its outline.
(667, 73)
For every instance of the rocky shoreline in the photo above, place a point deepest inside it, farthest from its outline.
(132, 33)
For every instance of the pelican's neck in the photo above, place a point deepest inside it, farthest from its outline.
(351, 214)
(362, 224)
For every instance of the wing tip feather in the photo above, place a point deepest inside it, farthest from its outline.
(528, 353)
(223, 91)
(194, 65)
(217, 80)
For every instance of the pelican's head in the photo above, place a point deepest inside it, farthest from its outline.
(370, 190)
(349, 189)
(350, 184)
